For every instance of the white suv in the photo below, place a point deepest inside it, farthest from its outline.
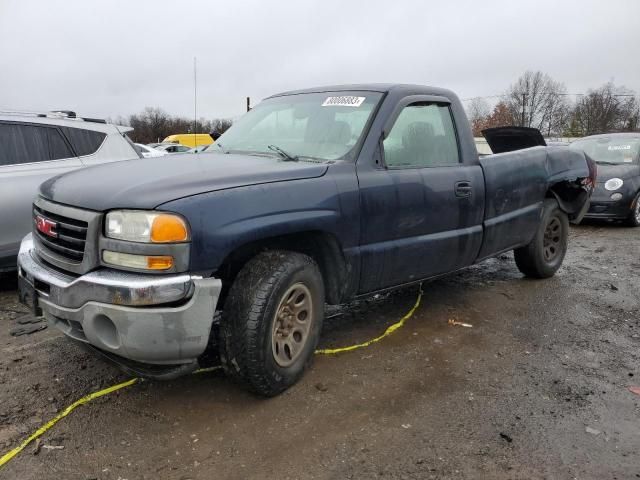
(35, 147)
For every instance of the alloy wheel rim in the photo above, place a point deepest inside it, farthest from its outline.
(637, 210)
(552, 244)
(292, 324)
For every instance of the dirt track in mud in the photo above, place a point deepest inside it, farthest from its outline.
(538, 388)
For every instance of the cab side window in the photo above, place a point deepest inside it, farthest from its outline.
(422, 136)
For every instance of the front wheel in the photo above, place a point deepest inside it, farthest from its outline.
(543, 256)
(633, 220)
(271, 321)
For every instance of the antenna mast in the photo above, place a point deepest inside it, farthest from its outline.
(195, 103)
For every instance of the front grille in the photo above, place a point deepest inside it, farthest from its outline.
(598, 208)
(66, 237)
(71, 235)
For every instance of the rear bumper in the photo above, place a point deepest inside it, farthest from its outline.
(149, 319)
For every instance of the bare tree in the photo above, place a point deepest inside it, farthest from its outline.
(606, 109)
(501, 116)
(154, 124)
(535, 100)
(119, 120)
(478, 108)
(150, 125)
(558, 119)
(477, 111)
(220, 125)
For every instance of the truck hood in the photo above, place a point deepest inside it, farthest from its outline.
(623, 171)
(150, 182)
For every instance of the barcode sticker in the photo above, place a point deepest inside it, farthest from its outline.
(346, 101)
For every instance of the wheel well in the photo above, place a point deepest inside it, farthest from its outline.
(323, 247)
(570, 196)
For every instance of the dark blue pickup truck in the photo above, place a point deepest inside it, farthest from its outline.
(315, 196)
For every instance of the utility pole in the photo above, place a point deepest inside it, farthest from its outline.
(248, 103)
(524, 99)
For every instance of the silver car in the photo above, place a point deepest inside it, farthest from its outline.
(36, 147)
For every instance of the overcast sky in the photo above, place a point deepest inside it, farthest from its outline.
(109, 58)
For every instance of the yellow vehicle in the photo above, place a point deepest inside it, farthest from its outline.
(190, 139)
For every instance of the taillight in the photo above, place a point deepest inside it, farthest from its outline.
(593, 171)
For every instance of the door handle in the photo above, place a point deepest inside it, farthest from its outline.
(463, 189)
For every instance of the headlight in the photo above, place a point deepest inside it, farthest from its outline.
(146, 227)
(613, 184)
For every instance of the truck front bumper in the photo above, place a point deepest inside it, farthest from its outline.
(159, 320)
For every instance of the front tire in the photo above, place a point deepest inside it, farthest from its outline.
(271, 321)
(543, 256)
(633, 220)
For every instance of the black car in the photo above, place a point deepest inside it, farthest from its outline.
(617, 193)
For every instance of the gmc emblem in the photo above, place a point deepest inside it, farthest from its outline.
(46, 226)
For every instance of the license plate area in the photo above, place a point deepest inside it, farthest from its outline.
(28, 296)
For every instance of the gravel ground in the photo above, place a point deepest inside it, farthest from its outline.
(538, 388)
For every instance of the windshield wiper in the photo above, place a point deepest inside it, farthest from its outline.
(219, 145)
(285, 156)
(601, 162)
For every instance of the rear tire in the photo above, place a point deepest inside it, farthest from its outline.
(544, 255)
(633, 220)
(271, 321)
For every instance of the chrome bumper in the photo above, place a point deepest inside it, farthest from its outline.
(154, 319)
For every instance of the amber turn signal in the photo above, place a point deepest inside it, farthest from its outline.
(164, 262)
(168, 228)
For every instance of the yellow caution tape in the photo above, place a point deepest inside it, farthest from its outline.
(388, 331)
(100, 393)
(208, 369)
(92, 396)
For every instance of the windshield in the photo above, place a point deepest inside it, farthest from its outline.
(322, 126)
(610, 150)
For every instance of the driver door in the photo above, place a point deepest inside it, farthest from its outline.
(423, 207)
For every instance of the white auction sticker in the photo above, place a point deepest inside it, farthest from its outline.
(345, 101)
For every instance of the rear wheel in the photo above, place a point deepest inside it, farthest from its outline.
(544, 255)
(633, 220)
(271, 321)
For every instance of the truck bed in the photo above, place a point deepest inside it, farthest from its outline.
(516, 184)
